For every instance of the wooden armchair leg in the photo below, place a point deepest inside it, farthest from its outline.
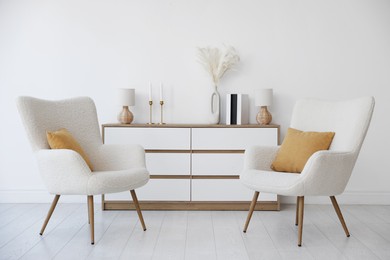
(91, 218)
(137, 207)
(339, 214)
(251, 209)
(52, 207)
(301, 202)
(296, 213)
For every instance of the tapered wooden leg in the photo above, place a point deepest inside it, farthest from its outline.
(91, 218)
(251, 209)
(52, 207)
(89, 221)
(300, 218)
(137, 207)
(296, 214)
(338, 211)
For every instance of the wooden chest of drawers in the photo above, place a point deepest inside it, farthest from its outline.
(192, 167)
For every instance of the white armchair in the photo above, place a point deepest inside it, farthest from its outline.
(326, 173)
(116, 168)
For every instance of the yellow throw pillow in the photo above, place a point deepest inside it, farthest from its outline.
(297, 147)
(62, 139)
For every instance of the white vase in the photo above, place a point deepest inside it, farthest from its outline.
(215, 107)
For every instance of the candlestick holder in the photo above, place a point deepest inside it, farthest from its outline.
(150, 112)
(161, 115)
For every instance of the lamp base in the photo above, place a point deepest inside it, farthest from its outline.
(264, 117)
(125, 116)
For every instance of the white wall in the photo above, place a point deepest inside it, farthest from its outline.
(59, 49)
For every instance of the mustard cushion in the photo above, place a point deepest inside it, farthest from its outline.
(297, 147)
(62, 139)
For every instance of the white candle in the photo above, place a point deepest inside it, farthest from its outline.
(150, 91)
(161, 92)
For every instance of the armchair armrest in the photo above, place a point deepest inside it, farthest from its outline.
(327, 172)
(63, 171)
(260, 157)
(120, 157)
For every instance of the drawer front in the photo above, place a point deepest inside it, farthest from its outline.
(168, 163)
(232, 138)
(158, 190)
(149, 138)
(224, 190)
(217, 164)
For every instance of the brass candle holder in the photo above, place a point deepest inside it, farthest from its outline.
(150, 112)
(161, 115)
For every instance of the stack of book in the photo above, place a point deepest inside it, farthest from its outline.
(237, 109)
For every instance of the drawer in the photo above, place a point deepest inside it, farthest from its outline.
(225, 190)
(217, 164)
(158, 190)
(232, 138)
(149, 138)
(168, 163)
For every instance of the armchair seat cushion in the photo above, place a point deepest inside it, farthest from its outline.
(282, 183)
(102, 182)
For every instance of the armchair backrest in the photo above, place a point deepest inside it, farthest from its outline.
(348, 119)
(78, 115)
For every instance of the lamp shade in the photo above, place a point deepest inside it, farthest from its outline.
(126, 96)
(263, 97)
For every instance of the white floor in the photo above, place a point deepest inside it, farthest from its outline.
(193, 234)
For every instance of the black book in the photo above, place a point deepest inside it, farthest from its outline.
(233, 110)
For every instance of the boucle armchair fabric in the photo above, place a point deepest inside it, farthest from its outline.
(116, 167)
(326, 172)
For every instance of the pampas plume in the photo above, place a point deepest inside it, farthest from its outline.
(216, 61)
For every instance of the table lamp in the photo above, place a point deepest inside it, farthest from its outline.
(126, 98)
(263, 98)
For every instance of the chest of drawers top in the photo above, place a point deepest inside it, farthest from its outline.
(192, 136)
(189, 126)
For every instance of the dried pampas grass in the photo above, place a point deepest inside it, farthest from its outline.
(216, 61)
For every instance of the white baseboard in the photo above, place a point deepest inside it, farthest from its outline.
(42, 196)
(39, 196)
(348, 197)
